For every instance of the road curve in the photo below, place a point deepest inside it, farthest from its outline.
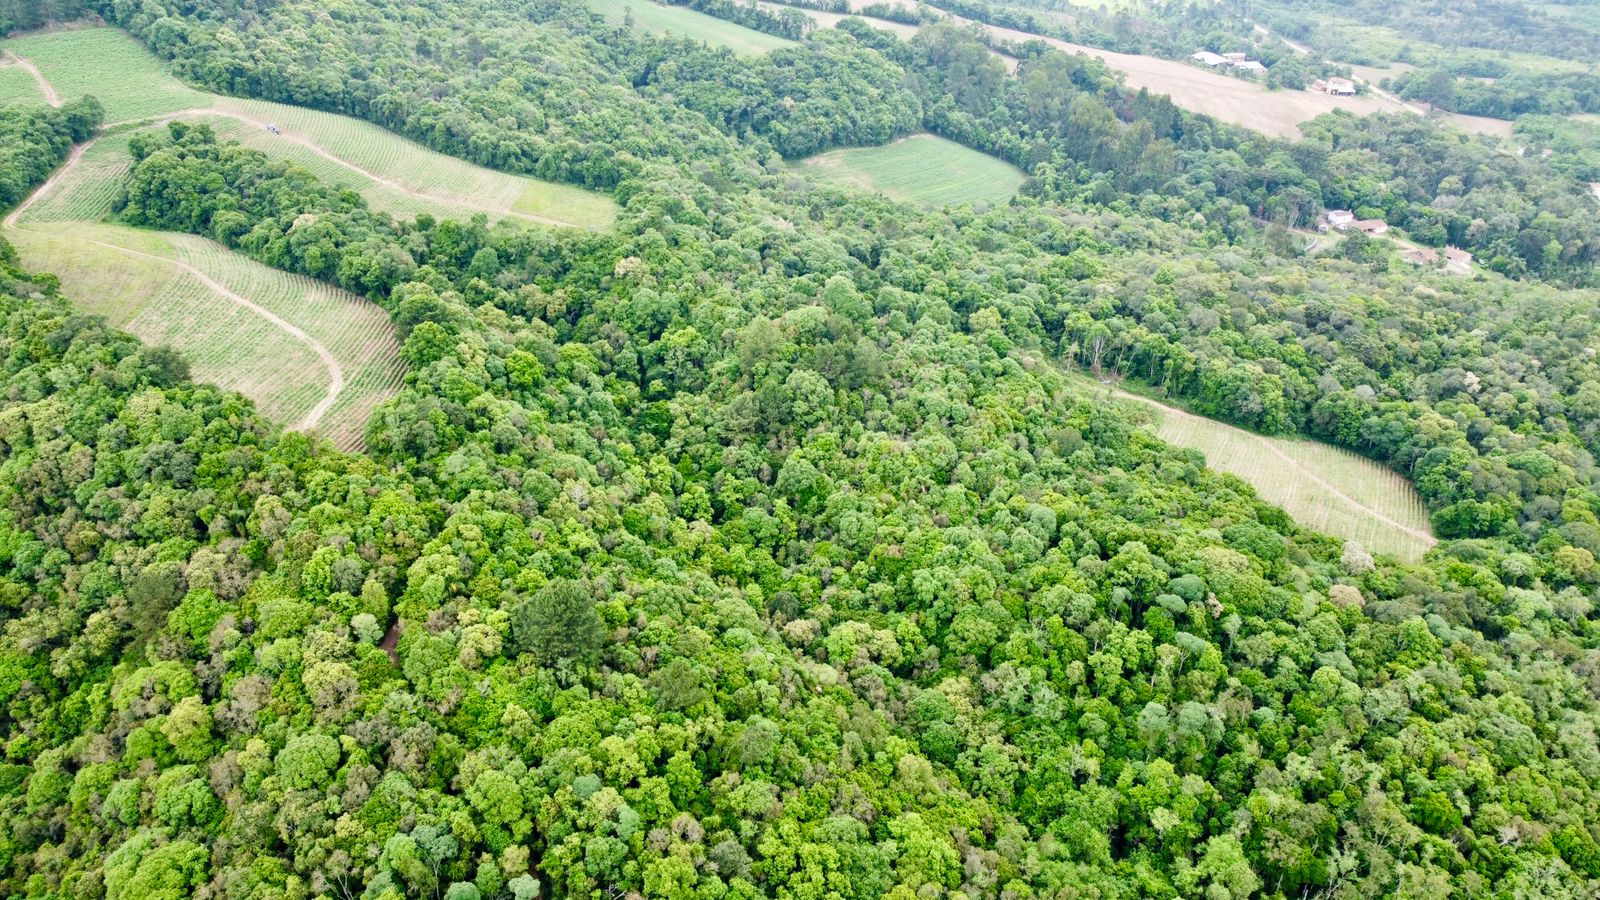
(45, 87)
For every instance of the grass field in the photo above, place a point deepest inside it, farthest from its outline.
(395, 175)
(1321, 486)
(921, 168)
(657, 18)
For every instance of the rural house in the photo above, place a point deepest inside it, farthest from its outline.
(1373, 227)
(1336, 218)
(1457, 260)
(1237, 60)
(1420, 256)
(1341, 87)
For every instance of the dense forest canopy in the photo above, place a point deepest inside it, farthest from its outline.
(769, 543)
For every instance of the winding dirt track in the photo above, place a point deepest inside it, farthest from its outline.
(1290, 461)
(45, 87)
(335, 371)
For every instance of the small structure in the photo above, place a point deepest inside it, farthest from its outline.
(1341, 87)
(1420, 256)
(1237, 60)
(1457, 260)
(1336, 218)
(1373, 227)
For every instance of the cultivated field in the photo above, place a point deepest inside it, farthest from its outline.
(311, 356)
(108, 63)
(398, 176)
(657, 18)
(17, 84)
(921, 168)
(1321, 486)
(395, 175)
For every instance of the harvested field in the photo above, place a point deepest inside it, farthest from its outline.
(1211, 93)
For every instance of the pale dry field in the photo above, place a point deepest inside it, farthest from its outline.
(1224, 97)
(1321, 486)
(1192, 87)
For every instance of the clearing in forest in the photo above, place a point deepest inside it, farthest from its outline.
(681, 21)
(311, 356)
(821, 19)
(395, 175)
(1323, 487)
(922, 169)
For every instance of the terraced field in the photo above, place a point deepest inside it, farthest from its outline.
(922, 169)
(311, 356)
(1321, 486)
(657, 18)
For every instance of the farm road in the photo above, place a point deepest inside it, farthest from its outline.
(335, 371)
(366, 173)
(54, 99)
(45, 87)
